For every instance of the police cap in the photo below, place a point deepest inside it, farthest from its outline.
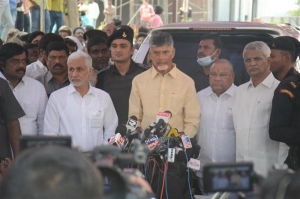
(125, 32)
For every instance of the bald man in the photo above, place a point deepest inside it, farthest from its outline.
(216, 134)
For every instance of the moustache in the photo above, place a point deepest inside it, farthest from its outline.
(21, 69)
(200, 55)
(57, 65)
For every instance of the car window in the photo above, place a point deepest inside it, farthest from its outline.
(186, 44)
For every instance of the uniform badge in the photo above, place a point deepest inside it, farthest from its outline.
(293, 84)
(124, 34)
(289, 93)
(273, 45)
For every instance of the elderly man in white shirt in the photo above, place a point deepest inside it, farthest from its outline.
(80, 110)
(30, 93)
(216, 134)
(252, 109)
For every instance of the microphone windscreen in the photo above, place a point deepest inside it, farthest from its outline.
(133, 117)
(121, 129)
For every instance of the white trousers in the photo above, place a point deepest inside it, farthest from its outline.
(5, 17)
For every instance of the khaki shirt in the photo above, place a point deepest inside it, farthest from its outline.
(152, 93)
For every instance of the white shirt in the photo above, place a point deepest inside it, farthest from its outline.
(4, 3)
(92, 11)
(251, 117)
(36, 69)
(83, 118)
(33, 99)
(216, 134)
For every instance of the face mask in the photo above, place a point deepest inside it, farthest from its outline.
(205, 61)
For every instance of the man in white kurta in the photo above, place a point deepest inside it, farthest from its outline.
(80, 110)
(216, 134)
(252, 109)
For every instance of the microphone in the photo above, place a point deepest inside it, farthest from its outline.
(131, 124)
(157, 126)
(118, 137)
(165, 116)
(146, 135)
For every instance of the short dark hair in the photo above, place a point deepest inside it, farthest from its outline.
(24, 37)
(70, 42)
(117, 22)
(96, 40)
(160, 38)
(158, 10)
(52, 172)
(34, 35)
(49, 38)
(30, 45)
(57, 46)
(9, 50)
(217, 40)
(77, 29)
(144, 29)
(88, 27)
(141, 34)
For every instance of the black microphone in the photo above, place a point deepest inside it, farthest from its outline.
(146, 135)
(157, 126)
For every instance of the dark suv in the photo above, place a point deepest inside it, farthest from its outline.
(234, 35)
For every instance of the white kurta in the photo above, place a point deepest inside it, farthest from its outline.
(33, 99)
(216, 134)
(36, 69)
(251, 117)
(90, 120)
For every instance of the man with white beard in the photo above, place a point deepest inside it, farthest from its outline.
(80, 110)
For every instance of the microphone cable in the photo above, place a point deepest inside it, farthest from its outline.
(188, 170)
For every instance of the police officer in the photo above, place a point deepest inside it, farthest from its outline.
(283, 56)
(117, 79)
(285, 117)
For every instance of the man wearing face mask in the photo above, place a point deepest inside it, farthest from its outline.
(208, 52)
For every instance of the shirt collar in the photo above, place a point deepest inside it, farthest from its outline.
(130, 70)
(24, 79)
(71, 89)
(172, 72)
(268, 81)
(41, 65)
(49, 76)
(229, 91)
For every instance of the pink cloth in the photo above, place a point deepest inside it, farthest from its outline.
(146, 12)
(155, 21)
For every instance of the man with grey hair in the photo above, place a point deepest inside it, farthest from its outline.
(216, 134)
(252, 109)
(164, 87)
(80, 110)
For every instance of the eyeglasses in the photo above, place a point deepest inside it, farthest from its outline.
(4, 162)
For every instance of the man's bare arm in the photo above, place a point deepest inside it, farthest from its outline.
(14, 133)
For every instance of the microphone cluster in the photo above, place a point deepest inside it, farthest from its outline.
(160, 137)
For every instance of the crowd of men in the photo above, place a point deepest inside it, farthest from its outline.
(84, 85)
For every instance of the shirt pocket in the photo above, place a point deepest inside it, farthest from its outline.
(228, 120)
(261, 112)
(97, 119)
(29, 109)
(176, 103)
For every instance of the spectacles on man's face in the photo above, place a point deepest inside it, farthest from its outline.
(4, 162)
